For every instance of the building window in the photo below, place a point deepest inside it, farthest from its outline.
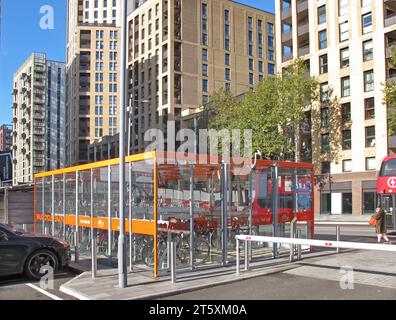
(271, 68)
(370, 163)
(342, 7)
(325, 143)
(270, 28)
(322, 39)
(271, 55)
(204, 54)
(370, 137)
(323, 67)
(227, 59)
(345, 87)
(369, 202)
(324, 112)
(325, 167)
(344, 31)
(227, 74)
(204, 25)
(261, 66)
(346, 165)
(322, 14)
(205, 70)
(346, 113)
(368, 80)
(251, 79)
(205, 85)
(367, 23)
(347, 203)
(270, 41)
(368, 50)
(346, 140)
(344, 57)
(251, 64)
(369, 109)
(324, 92)
(325, 203)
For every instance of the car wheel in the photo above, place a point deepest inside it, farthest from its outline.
(37, 260)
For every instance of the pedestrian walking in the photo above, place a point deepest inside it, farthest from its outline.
(380, 227)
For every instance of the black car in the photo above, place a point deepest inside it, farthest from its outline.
(22, 252)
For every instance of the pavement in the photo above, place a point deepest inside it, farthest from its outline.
(370, 269)
(19, 287)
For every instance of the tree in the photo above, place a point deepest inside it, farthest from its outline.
(274, 111)
(390, 98)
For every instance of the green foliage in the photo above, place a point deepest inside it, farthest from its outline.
(275, 108)
(390, 99)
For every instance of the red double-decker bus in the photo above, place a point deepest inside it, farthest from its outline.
(386, 183)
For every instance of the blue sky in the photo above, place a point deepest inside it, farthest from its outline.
(21, 35)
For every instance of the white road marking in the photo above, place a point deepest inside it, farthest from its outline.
(52, 296)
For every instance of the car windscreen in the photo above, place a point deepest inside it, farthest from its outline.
(10, 229)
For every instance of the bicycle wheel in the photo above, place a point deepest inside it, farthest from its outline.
(202, 251)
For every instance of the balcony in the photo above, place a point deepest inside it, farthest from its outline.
(287, 57)
(39, 131)
(303, 29)
(286, 37)
(302, 6)
(390, 21)
(286, 13)
(14, 105)
(303, 51)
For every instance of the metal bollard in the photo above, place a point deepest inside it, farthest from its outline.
(94, 258)
(246, 255)
(76, 253)
(338, 233)
(173, 261)
(299, 246)
(238, 265)
(24, 227)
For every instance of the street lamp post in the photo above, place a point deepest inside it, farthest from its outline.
(122, 267)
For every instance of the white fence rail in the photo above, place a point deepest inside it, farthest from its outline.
(308, 242)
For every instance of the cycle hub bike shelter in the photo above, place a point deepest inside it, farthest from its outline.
(201, 202)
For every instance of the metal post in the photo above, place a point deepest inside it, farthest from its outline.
(246, 255)
(173, 261)
(275, 205)
(64, 206)
(109, 232)
(76, 247)
(93, 238)
(43, 205)
(192, 242)
(130, 214)
(250, 207)
(122, 273)
(24, 227)
(238, 266)
(224, 203)
(5, 205)
(299, 246)
(338, 232)
(94, 257)
(293, 227)
(53, 205)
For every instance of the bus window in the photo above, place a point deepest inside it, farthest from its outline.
(388, 168)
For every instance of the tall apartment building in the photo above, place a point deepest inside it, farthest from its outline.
(5, 137)
(93, 45)
(182, 51)
(38, 135)
(347, 45)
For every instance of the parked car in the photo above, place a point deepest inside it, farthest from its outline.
(23, 252)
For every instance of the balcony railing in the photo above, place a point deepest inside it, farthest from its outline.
(302, 6)
(286, 13)
(303, 51)
(391, 20)
(303, 29)
(287, 36)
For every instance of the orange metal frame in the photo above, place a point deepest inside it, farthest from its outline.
(144, 227)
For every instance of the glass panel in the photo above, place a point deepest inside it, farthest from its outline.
(58, 201)
(47, 204)
(39, 204)
(84, 210)
(70, 206)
